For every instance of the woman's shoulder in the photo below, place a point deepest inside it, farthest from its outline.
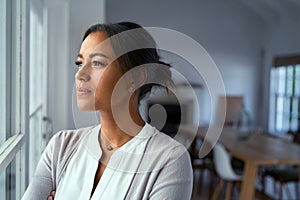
(163, 143)
(164, 152)
(162, 138)
(72, 134)
(67, 140)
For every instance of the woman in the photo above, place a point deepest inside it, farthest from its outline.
(124, 157)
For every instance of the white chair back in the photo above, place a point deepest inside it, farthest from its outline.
(223, 165)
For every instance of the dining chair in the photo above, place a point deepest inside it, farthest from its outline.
(202, 165)
(225, 171)
(283, 176)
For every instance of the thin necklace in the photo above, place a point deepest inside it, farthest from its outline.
(110, 147)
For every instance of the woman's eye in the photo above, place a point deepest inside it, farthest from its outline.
(99, 64)
(78, 63)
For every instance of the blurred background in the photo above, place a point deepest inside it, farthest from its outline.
(255, 45)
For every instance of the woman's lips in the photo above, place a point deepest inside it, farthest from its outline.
(83, 91)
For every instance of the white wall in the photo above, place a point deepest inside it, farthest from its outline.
(67, 21)
(82, 15)
(57, 53)
(231, 34)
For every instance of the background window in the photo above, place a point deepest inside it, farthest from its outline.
(285, 95)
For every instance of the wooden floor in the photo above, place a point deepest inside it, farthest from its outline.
(201, 190)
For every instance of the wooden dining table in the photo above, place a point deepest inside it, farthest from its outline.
(258, 150)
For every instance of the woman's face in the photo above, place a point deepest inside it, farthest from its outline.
(97, 74)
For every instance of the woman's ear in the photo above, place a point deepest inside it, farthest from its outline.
(136, 79)
(140, 77)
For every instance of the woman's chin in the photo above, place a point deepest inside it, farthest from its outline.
(86, 107)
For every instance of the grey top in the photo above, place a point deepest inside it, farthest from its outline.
(150, 166)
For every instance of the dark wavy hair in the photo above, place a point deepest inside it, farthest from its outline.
(134, 58)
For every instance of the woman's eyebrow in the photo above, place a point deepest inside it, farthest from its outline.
(93, 55)
(98, 54)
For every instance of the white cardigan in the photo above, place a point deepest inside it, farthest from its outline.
(149, 166)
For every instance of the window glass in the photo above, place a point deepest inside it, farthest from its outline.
(297, 81)
(2, 71)
(289, 80)
(281, 74)
(8, 182)
(10, 97)
(2, 185)
(3, 86)
(285, 90)
(15, 67)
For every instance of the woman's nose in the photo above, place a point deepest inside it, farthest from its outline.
(83, 73)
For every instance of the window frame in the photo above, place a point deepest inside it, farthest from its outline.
(17, 65)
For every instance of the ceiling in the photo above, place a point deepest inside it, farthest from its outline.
(272, 11)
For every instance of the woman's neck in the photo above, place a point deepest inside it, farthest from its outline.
(121, 130)
(123, 122)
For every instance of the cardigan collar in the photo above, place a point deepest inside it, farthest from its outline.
(135, 145)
